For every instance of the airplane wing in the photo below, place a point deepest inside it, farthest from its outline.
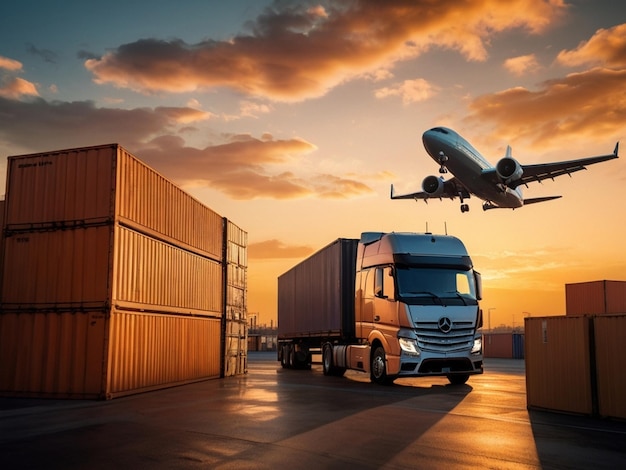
(451, 188)
(544, 171)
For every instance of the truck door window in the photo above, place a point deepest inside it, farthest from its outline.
(383, 284)
(378, 283)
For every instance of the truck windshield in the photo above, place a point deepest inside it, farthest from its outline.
(442, 286)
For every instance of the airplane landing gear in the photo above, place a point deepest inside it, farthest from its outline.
(464, 208)
(442, 159)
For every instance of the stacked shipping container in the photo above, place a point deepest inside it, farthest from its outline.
(574, 364)
(115, 281)
(595, 298)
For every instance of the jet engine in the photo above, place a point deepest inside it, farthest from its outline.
(433, 186)
(508, 169)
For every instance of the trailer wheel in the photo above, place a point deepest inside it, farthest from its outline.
(458, 379)
(378, 368)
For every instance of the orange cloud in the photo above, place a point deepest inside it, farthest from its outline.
(14, 88)
(59, 124)
(294, 52)
(242, 168)
(571, 107)
(274, 249)
(411, 91)
(522, 64)
(607, 47)
(10, 64)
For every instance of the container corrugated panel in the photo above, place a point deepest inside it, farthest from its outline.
(62, 269)
(151, 351)
(60, 188)
(151, 274)
(52, 354)
(317, 295)
(518, 346)
(498, 345)
(610, 332)
(558, 376)
(236, 342)
(616, 297)
(584, 298)
(148, 200)
(92, 185)
(237, 266)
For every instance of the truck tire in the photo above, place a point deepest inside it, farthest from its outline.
(328, 366)
(458, 379)
(283, 357)
(378, 369)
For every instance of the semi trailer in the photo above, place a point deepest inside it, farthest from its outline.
(388, 304)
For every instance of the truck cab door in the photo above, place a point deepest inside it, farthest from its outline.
(365, 303)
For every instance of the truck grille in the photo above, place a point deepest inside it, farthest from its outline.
(431, 338)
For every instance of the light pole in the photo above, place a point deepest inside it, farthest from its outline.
(489, 317)
(489, 321)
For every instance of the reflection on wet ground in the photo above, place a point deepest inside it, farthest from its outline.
(273, 417)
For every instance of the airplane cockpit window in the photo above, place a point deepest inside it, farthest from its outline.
(440, 129)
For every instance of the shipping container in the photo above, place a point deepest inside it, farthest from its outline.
(610, 357)
(235, 320)
(504, 345)
(114, 280)
(498, 345)
(316, 297)
(104, 354)
(596, 297)
(558, 364)
(518, 345)
(76, 269)
(99, 185)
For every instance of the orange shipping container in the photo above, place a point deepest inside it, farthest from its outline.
(499, 345)
(74, 269)
(104, 354)
(558, 370)
(610, 357)
(102, 184)
(596, 297)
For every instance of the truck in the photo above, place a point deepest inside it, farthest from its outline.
(388, 304)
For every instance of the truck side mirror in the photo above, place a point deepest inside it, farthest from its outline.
(479, 285)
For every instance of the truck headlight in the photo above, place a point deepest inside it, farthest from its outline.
(409, 346)
(478, 345)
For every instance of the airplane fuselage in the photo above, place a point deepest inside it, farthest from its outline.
(451, 150)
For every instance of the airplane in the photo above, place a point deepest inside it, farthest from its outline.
(499, 187)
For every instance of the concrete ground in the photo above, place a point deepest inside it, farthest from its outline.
(273, 418)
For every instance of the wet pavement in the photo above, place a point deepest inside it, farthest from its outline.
(272, 418)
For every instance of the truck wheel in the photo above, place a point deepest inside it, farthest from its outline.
(458, 379)
(378, 368)
(328, 365)
(327, 359)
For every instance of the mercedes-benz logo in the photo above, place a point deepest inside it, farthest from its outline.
(445, 324)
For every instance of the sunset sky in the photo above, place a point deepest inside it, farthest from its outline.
(293, 118)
